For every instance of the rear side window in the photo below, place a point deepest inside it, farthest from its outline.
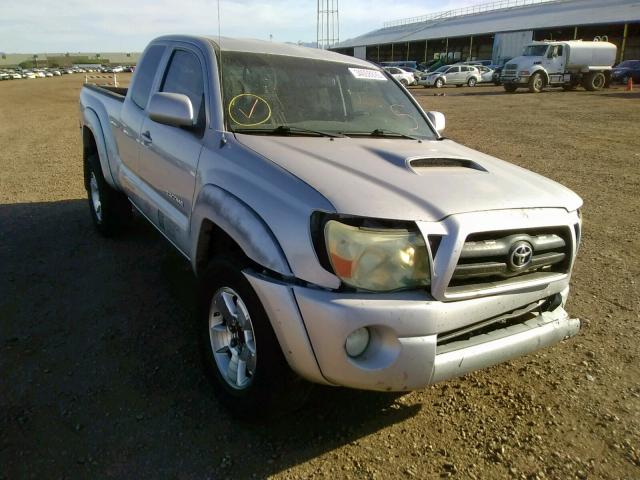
(145, 73)
(184, 75)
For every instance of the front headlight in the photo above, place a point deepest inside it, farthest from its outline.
(379, 260)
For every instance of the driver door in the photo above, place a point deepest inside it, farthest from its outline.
(169, 155)
(555, 61)
(454, 76)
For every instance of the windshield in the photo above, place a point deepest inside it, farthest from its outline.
(534, 51)
(264, 92)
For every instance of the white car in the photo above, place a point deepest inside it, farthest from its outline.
(405, 78)
(56, 73)
(16, 76)
(486, 73)
(118, 69)
(40, 75)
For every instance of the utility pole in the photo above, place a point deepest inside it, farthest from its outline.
(327, 26)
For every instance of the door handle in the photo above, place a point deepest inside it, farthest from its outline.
(146, 138)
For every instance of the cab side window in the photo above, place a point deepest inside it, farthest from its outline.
(184, 75)
(145, 73)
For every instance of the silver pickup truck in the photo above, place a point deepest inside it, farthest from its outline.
(334, 231)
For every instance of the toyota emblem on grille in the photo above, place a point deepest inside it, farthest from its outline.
(520, 256)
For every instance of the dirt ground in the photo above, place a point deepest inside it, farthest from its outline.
(100, 377)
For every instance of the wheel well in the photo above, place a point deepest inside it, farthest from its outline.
(89, 148)
(214, 241)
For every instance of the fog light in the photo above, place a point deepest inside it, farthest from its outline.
(357, 342)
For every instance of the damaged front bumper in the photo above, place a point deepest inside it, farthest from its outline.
(414, 341)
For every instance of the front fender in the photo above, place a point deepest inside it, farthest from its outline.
(541, 70)
(92, 122)
(241, 223)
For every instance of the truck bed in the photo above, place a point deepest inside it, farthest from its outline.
(117, 93)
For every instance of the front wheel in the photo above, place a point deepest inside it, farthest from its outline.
(404, 82)
(536, 83)
(240, 351)
(471, 82)
(439, 83)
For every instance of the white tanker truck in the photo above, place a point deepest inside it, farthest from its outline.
(560, 64)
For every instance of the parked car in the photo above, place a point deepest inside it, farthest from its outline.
(457, 75)
(486, 73)
(404, 77)
(333, 231)
(416, 73)
(56, 73)
(629, 69)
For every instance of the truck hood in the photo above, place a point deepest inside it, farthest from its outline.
(525, 63)
(409, 180)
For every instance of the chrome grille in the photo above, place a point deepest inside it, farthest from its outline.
(490, 259)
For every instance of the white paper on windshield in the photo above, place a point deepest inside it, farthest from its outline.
(367, 74)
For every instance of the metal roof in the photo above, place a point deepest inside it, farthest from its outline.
(544, 15)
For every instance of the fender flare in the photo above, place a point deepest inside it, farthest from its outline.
(92, 122)
(543, 72)
(241, 223)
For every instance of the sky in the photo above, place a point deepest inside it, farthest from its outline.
(58, 26)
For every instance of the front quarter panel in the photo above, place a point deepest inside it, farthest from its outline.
(280, 202)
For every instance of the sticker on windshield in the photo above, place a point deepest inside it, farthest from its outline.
(367, 74)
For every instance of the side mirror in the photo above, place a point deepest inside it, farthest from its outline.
(173, 109)
(437, 119)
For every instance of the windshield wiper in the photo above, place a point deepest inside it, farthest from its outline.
(287, 130)
(378, 132)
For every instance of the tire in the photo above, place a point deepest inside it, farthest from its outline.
(240, 351)
(536, 83)
(594, 81)
(404, 82)
(510, 88)
(439, 83)
(110, 209)
(472, 82)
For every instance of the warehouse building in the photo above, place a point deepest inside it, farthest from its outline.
(499, 30)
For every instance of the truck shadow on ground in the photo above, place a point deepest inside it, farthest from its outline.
(101, 373)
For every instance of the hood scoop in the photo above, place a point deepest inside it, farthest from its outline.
(422, 165)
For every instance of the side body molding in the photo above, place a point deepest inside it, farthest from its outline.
(241, 223)
(92, 122)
